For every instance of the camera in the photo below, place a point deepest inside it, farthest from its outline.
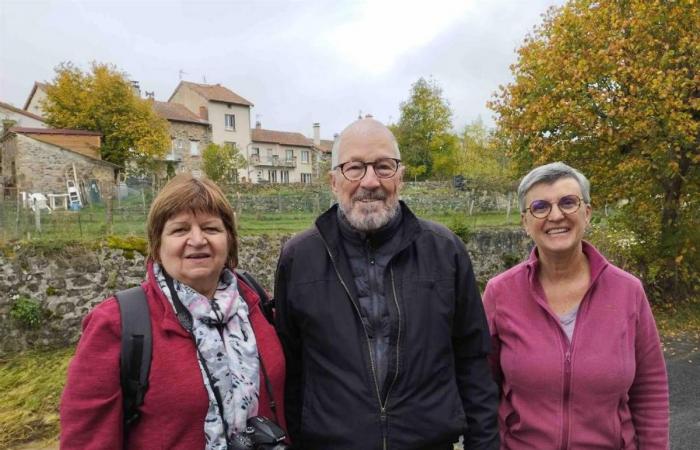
(261, 434)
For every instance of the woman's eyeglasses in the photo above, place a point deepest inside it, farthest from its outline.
(356, 170)
(568, 204)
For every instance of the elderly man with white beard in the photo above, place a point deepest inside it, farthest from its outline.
(380, 318)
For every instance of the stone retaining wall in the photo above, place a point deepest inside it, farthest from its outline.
(66, 283)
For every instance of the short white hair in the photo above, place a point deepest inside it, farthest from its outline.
(549, 173)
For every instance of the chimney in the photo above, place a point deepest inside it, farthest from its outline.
(317, 134)
(203, 113)
(257, 124)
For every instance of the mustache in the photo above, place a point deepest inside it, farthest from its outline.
(365, 194)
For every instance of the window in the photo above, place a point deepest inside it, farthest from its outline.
(255, 151)
(180, 144)
(284, 176)
(194, 148)
(305, 156)
(172, 155)
(230, 144)
(272, 176)
(306, 178)
(230, 122)
(290, 154)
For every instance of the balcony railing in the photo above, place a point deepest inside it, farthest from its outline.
(273, 161)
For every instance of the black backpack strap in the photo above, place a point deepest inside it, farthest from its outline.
(267, 304)
(135, 361)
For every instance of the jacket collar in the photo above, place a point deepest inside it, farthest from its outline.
(328, 226)
(596, 262)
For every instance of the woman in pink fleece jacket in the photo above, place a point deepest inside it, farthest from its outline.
(575, 347)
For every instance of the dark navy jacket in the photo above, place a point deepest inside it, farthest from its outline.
(438, 383)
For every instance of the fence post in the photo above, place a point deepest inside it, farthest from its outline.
(37, 217)
(508, 207)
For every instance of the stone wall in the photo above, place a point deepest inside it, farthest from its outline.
(183, 133)
(67, 282)
(41, 167)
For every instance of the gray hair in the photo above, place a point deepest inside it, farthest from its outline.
(549, 173)
(335, 151)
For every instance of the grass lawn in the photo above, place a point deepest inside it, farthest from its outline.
(89, 224)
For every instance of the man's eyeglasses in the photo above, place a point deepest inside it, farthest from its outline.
(568, 204)
(356, 170)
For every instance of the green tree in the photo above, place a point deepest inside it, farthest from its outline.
(428, 147)
(482, 159)
(222, 162)
(612, 87)
(103, 100)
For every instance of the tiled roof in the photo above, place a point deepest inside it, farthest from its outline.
(21, 111)
(280, 137)
(26, 130)
(215, 93)
(176, 112)
(34, 88)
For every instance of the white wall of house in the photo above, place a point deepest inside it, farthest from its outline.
(280, 163)
(20, 119)
(38, 98)
(221, 131)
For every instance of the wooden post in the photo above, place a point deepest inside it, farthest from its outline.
(37, 217)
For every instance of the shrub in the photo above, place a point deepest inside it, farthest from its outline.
(27, 312)
(460, 227)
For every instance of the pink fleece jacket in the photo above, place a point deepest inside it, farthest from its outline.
(608, 389)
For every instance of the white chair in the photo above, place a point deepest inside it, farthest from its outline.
(38, 200)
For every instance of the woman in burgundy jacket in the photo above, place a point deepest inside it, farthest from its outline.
(575, 347)
(215, 364)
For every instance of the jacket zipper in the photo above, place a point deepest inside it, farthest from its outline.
(567, 396)
(382, 405)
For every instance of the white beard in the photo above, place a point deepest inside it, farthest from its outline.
(370, 216)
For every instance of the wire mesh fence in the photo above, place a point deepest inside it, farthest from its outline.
(278, 208)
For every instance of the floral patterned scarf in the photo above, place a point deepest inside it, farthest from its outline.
(228, 355)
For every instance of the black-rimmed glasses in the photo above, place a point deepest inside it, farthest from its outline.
(356, 170)
(568, 204)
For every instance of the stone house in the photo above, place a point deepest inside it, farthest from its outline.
(36, 98)
(40, 159)
(227, 113)
(11, 117)
(189, 134)
(281, 157)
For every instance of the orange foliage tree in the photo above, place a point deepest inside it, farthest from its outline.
(103, 100)
(612, 87)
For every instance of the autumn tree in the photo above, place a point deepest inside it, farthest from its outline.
(103, 100)
(428, 147)
(612, 87)
(482, 159)
(221, 163)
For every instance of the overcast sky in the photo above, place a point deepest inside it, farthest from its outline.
(299, 62)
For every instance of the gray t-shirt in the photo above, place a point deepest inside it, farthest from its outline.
(568, 321)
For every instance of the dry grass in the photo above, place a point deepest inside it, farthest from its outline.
(31, 384)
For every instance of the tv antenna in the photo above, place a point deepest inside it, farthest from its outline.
(180, 73)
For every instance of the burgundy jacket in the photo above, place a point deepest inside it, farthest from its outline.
(176, 402)
(608, 389)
